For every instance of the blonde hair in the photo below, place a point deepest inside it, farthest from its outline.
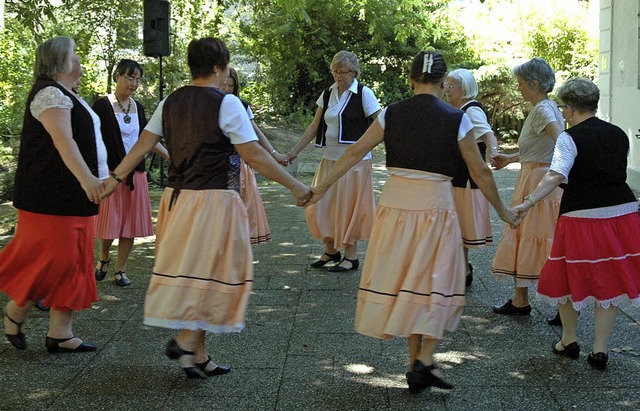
(53, 58)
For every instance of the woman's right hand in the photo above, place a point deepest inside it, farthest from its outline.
(500, 161)
(108, 186)
(92, 188)
(511, 216)
(290, 157)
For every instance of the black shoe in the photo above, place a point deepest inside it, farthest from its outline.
(571, 350)
(219, 370)
(422, 377)
(100, 272)
(598, 360)
(555, 320)
(39, 306)
(18, 340)
(121, 279)
(509, 309)
(338, 268)
(53, 345)
(174, 352)
(469, 279)
(332, 257)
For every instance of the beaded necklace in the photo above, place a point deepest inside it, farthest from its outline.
(127, 117)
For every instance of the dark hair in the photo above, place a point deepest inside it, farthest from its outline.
(204, 54)
(236, 81)
(581, 94)
(428, 66)
(127, 67)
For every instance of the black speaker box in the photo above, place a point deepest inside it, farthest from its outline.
(156, 28)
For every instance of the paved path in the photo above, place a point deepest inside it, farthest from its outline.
(299, 351)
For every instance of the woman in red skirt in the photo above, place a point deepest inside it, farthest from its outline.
(596, 248)
(57, 188)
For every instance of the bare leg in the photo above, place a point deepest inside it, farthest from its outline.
(414, 341)
(351, 252)
(124, 250)
(60, 328)
(191, 340)
(605, 318)
(569, 318)
(521, 297)
(17, 314)
(429, 346)
(105, 246)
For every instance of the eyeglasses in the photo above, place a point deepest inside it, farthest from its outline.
(341, 72)
(562, 106)
(448, 86)
(136, 80)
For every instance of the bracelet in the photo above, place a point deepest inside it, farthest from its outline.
(494, 149)
(273, 152)
(530, 199)
(115, 177)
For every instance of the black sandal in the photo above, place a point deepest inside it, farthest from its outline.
(332, 257)
(121, 279)
(100, 273)
(338, 268)
(18, 340)
(174, 351)
(218, 370)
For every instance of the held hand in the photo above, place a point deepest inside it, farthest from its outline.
(281, 158)
(290, 157)
(92, 189)
(108, 186)
(522, 209)
(511, 217)
(301, 193)
(500, 161)
(316, 195)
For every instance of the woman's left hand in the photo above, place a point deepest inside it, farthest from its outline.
(281, 158)
(316, 195)
(92, 188)
(108, 186)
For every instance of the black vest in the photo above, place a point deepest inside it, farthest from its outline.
(353, 120)
(461, 175)
(421, 133)
(198, 149)
(43, 183)
(599, 173)
(112, 136)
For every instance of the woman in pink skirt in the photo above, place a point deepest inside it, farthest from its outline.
(127, 213)
(345, 214)
(413, 286)
(596, 247)
(471, 204)
(258, 223)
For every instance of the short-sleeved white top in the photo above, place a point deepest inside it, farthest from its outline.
(232, 120)
(534, 143)
(333, 150)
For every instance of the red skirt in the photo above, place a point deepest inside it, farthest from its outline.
(50, 258)
(593, 259)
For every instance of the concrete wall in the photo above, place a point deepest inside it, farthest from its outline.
(619, 74)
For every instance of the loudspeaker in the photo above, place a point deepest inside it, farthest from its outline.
(156, 28)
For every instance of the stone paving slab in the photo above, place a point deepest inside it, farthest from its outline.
(300, 352)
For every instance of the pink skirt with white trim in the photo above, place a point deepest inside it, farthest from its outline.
(344, 215)
(126, 213)
(474, 216)
(593, 259)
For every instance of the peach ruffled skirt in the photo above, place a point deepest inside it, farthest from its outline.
(522, 252)
(203, 272)
(413, 280)
(474, 215)
(258, 223)
(344, 215)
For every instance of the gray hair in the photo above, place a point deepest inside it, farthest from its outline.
(581, 94)
(346, 59)
(468, 83)
(537, 73)
(53, 58)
